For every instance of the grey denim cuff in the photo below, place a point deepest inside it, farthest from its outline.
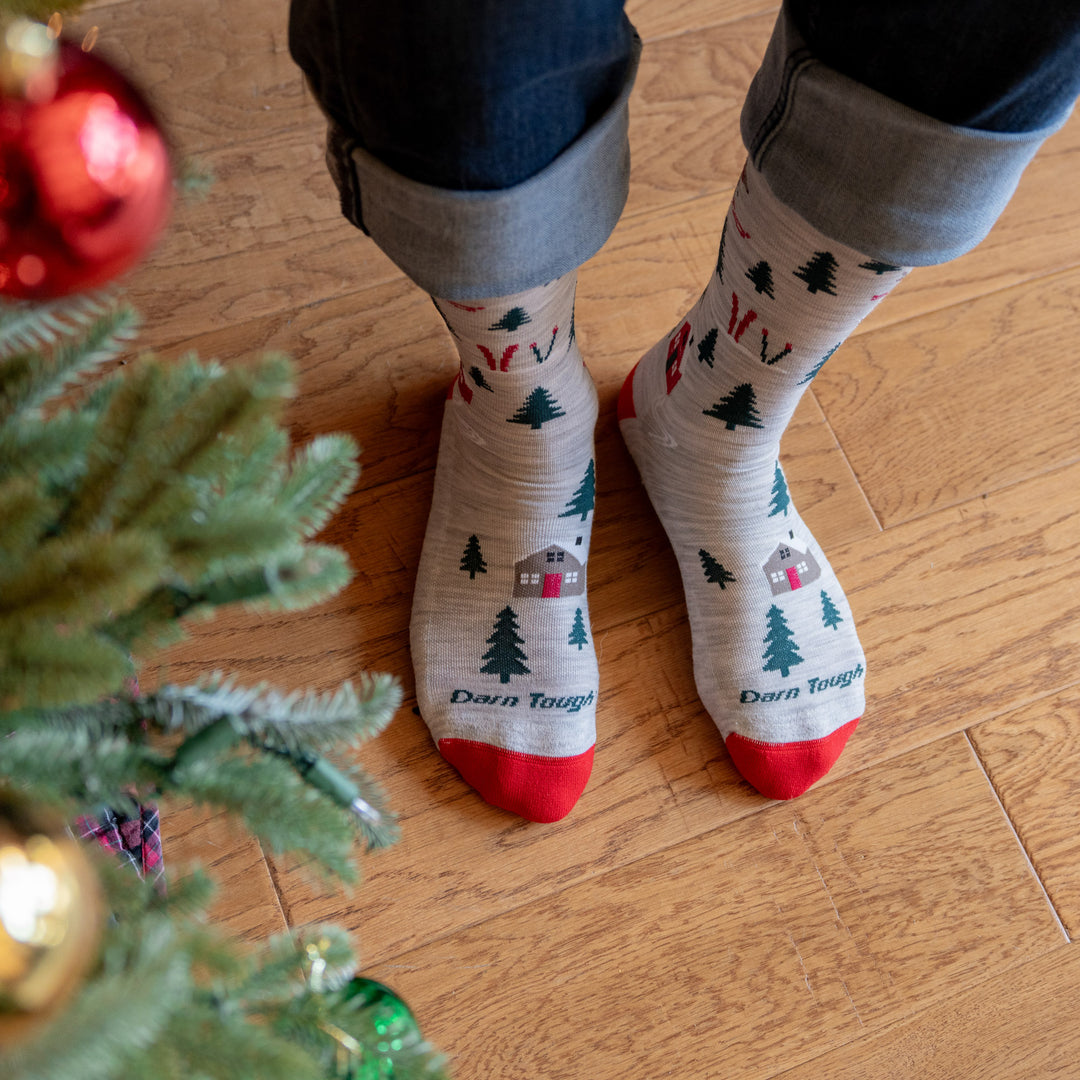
(869, 172)
(467, 245)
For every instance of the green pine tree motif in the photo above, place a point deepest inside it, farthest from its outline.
(442, 315)
(477, 377)
(819, 365)
(504, 658)
(781, 500)
(706, 349)
(819, 273)
(830, 616)
(714, 571)
(515, 318)
(720, 253)
(878, 267)
(472, 560)
(781, 653)
(739, 407)
(577, 632)
(538, 408)
(761, 276)
(584, 499)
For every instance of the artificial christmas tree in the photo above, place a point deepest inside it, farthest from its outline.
(132, 498)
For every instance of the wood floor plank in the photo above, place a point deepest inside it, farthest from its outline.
(963, 614)
(215, 73)
(684, 113)
(901, 401)
(246, 903)
(662, 18)
(1017, 1026)
(268, 239)
(756, 946)
(1032, 756)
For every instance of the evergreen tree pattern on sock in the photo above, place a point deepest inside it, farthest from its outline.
(506, 675)
(777, 662)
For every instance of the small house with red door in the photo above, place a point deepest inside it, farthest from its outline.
(550, 573)
(789, 569)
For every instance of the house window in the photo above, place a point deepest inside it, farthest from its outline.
(571, 576)
(785, 553)
(551, 556)
(802, 568)
(559, 556)
(524, 579)
(777, 576)
(534, 579)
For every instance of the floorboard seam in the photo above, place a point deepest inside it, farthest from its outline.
(1019, 838)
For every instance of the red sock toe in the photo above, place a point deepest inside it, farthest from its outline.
(536, 788)
(784, 770)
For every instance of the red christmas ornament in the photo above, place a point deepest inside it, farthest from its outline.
(85, 181)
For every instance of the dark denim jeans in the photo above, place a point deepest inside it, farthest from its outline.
(482, 142)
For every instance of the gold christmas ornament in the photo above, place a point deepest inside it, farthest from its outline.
(50, 910)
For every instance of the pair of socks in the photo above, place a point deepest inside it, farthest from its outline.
(502, 648)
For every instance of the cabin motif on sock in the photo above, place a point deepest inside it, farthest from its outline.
(788, 568)
(676, 349)
(549, 574)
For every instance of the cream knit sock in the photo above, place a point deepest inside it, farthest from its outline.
(502, 649)
(777, 661)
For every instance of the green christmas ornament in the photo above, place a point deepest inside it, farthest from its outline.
(385, 1025)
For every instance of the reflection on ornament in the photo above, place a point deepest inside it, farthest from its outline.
(49, 910)
(85, 178)
(384, 1026)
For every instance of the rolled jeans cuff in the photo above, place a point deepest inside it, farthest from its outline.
(869, 172)
(467, 245)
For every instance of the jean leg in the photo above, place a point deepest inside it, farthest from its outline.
(471, 95)
(997, 65)
(481, 143)
(871, 171)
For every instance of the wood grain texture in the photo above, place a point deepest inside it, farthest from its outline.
(1017, 1026)
(676, 924)
(899, 403)
(662, 18)
(216, 73)
(246, 902)
(1032, 756)
(751, 948)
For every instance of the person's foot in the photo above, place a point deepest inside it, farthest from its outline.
(506, 675)
(777, 662)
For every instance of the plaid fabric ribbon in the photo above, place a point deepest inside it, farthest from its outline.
(136, 840)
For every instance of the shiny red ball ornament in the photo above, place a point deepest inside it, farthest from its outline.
(85, 178)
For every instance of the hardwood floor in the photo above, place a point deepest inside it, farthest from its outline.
(910, 917)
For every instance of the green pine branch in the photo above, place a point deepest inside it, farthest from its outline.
(28, 380)
(28, 326)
